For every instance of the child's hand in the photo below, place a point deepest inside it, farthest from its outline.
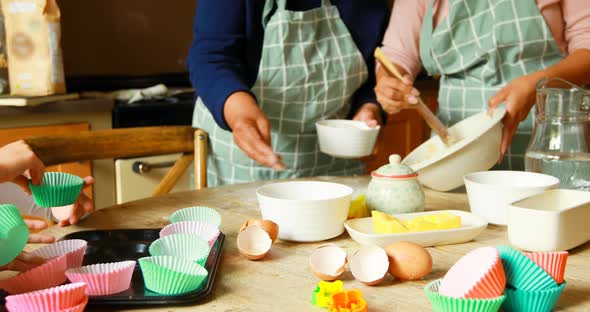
(71, 214)
(23, 262)
(17, 158)
(35, 226)
(519, 96)
(26, 261)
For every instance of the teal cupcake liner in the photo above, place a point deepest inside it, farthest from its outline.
(14, 233)
(189, 246)
(57, 189)
(197, 213)
(171, 276)
(532, 301)
(442, 303)
(523, 273)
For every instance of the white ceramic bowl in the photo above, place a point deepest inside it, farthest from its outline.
(490, 192)
(555, 220)
(346, 138)
(477, 148)
(305, 211)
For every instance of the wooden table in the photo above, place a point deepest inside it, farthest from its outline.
(283, 281)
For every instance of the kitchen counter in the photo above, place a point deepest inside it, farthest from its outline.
(283, 280)
(69, 106)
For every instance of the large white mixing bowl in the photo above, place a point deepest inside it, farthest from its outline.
(305, 211)
(477, 148)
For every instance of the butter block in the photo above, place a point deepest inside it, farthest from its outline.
(386, 224)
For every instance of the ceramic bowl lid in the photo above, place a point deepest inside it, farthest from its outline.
(395, 169)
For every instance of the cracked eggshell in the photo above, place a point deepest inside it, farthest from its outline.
(328, 262)
(369, 265)
(270, 227)
(253, 242)
(408, 261)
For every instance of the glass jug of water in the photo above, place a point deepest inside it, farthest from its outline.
(560, 145)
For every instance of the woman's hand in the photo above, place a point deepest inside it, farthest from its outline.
(70, 215)
(251, 129)
(16, 159)
(370, 113)
(394, 94)
(519, 96)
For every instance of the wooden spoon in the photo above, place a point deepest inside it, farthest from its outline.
(433, 122)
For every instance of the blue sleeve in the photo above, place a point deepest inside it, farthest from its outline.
(366, 21)
(217, 56)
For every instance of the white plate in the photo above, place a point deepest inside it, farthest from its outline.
(361, 230)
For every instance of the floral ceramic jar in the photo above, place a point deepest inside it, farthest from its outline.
(394, 189)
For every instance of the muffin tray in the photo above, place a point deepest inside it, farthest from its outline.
(120, 245)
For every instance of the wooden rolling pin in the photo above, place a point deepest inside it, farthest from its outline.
(433, 122)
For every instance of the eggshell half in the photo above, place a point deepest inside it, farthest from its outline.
(369, 265)
(270, 227)
(328, 262)
(408, 261)
(254, 242)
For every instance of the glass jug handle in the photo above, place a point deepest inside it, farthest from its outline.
(556, 83)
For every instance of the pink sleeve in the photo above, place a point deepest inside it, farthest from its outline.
(401, 40)
(576, 15)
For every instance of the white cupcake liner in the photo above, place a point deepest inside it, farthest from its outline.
(205, 230)
(74, 249)
(189, 246)
(51, 299)
(49, 274)
(104, 278)
(197, 213)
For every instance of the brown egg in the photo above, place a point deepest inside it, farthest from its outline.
(408, 261)
(270, 227)
(253, 242)
(369, 265)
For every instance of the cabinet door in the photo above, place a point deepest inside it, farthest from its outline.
(81, 169)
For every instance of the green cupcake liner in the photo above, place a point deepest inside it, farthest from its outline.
(523, 273)
(57, 189)
(532, 301)
(442, 303)
(188, 246)
(197, 213)
(171, 276)
(14, 233)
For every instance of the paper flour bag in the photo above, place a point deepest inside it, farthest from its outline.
(33, 36)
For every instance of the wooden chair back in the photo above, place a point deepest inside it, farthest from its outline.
(127, 143)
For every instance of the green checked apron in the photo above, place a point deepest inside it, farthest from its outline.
(310, 69)
(480, 47)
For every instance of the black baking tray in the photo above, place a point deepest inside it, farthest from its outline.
(120, 245)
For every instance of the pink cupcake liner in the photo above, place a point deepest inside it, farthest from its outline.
(104, 278)
(51, 299)
(49, 274)
(78, 308)
(74, 249)
(552, 262)
(205, 230)
(477, 275)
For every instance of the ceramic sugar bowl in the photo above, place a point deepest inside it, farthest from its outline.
(394, 189)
